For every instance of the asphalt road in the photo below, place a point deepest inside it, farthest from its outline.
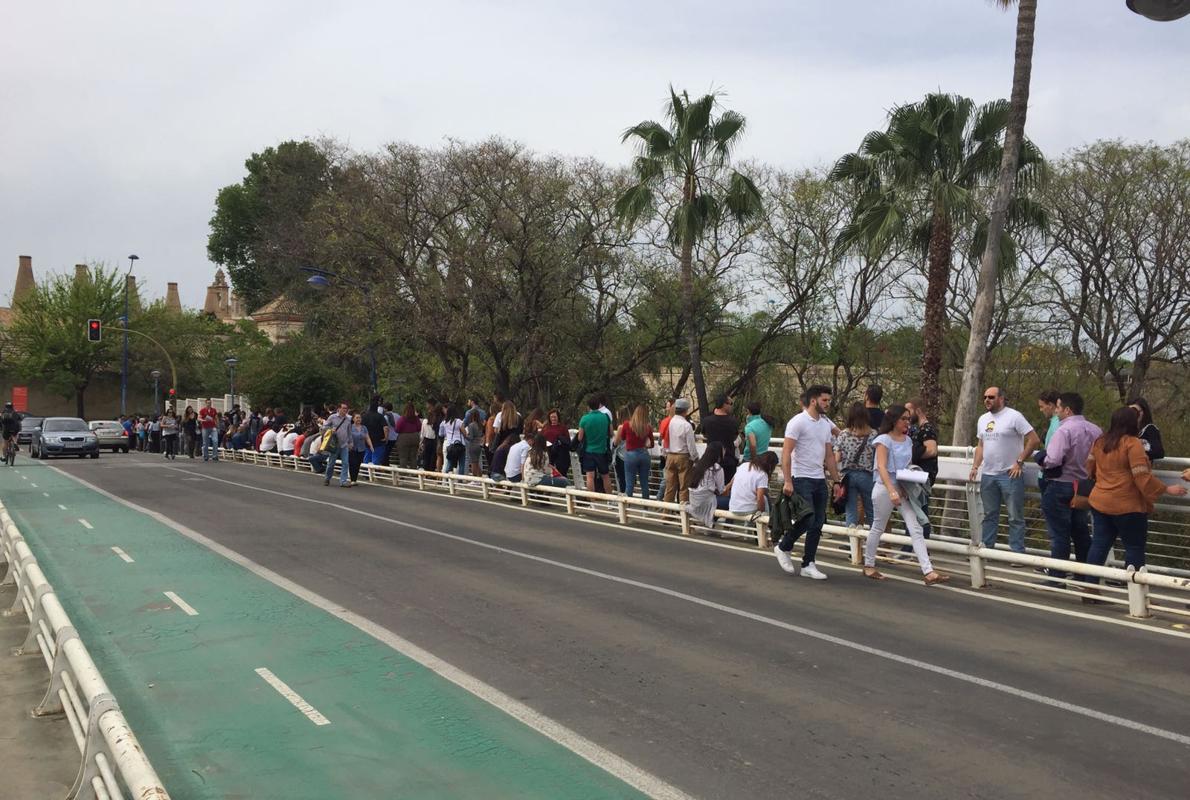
(708, 666)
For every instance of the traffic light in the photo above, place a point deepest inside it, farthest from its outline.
(94, 330)
(173, 393)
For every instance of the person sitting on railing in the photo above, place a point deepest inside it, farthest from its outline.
(894, 451)
(268, 441)
(707, 488)
(749, 488)
(538, 471)
(1124, 492)
(287, 440)
(500, 459)
(514, 465)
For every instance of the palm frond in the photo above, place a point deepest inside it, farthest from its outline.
(743, 200)
(634, 205)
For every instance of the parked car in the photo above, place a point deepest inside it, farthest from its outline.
(111, 434)
(28, 423)
(63, 436)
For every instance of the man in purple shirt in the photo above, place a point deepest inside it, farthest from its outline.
(1067, 449)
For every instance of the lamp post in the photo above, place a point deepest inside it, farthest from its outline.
(156, 376)
(1160, 10)
(321, 279)
(124, 368)
(231, 362)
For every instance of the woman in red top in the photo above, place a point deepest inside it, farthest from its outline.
(557, 437)
(408, 437)
(637, 435)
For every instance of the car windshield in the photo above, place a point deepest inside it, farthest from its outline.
(30, 422)
(64, 425)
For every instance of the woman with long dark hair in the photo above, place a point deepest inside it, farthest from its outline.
(706, 485)
(894, 451)
(854, 454)
(1149, 434)
(557, 437)
(1125, 490)
(537, 469)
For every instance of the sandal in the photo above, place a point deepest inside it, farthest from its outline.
(874, 574)
(935, 578)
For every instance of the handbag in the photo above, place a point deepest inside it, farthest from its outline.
(325, 445)
(1082, 494)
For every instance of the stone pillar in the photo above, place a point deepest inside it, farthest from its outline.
(172, 301)
(81, 273)
(25, 283)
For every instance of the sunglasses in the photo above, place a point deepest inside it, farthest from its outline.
(989, 397)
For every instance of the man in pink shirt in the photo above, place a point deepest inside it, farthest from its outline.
(208, 420)
(1067, 451)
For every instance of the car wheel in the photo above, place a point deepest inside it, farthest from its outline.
(125, 449)
(95, 454)
(41, 454)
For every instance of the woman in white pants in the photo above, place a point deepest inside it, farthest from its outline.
(894, 451)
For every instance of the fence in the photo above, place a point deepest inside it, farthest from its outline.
(113, 764)
(1141, 591)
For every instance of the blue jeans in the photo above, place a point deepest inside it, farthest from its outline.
(1132, 528)
(859, 490)
(343, 453)
(997, 489)
(557, 483)
(459, 466)
(210, 444)
(636, 467)
(318, 462)
(1065, 525)
(813, 491)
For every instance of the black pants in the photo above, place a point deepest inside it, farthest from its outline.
(354, 459)
(171, 445)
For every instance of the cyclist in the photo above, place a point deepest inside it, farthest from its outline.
(10, 425)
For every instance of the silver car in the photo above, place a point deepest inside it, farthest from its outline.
(111, 434)
(63, 436)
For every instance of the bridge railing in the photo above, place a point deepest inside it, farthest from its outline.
(1141, 591)
(113, 764)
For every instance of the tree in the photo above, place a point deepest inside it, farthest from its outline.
(968, 408)
(917, 180)
(290, 374)
(48, 335)
(257, 231)
(693, 152)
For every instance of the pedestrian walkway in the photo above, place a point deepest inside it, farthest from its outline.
(237, 688)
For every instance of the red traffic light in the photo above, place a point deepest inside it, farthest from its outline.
(94, 330)
(172, 392)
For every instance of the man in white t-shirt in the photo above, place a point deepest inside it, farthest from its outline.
(268, 442)
(806, 458)
(1005, 440)
(515, 464)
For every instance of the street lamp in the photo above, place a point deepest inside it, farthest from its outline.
(231, 362)
(156, 375)
(1160, 10)
(124, 368)
(320, 279)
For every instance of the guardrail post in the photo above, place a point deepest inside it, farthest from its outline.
(1138, 595)
(52, 702)
(484, 488)
(524, 495)
(685, 519)
(622, 511)
(570, 504)
(35, 619)
(762, 533)
(450, 484)
(857, 552)
(421, 479)
(83, 789)
(975, 526)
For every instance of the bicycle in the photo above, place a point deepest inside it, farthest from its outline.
(10, 450)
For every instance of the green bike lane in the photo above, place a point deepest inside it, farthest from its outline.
(214, 727)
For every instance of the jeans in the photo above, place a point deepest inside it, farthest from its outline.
(636, 468)
(813, 491)
(342, 453)
(1132, 528)
(557, 483)
(997, 489)
(859, 490)
(884, 510)
(318, 462)
(723, 502)
(210, 444)
(1065, 525)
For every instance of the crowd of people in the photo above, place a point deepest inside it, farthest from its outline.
(1096, 487)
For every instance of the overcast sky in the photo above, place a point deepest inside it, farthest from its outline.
(121, 120)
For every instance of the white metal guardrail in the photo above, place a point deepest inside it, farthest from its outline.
(114, 766)
(1141, 591)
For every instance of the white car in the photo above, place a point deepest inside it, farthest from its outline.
(111, 434)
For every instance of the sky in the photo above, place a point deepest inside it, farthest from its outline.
(122, 120)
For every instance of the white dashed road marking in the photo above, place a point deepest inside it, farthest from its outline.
(293, 697)
(86, 525)
(61, 506)
(123, 555)
(182, 604)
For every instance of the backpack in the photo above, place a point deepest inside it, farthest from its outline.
(787, 513)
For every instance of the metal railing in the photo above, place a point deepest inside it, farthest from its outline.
(113, 765)
(1142, 591)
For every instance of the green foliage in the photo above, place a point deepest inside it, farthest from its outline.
(48, 337)
(256, 231)
(290, 375)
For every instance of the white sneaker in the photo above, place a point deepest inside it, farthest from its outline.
(784, 560)
(811, 571)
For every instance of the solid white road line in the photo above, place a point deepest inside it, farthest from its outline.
(606, 760)
(180, 603)
(293, 697)
(887, 655)
(123, 555)
(86, 525)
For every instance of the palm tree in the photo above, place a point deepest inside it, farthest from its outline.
(968, 407)
(918, 180)
(690, 156)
